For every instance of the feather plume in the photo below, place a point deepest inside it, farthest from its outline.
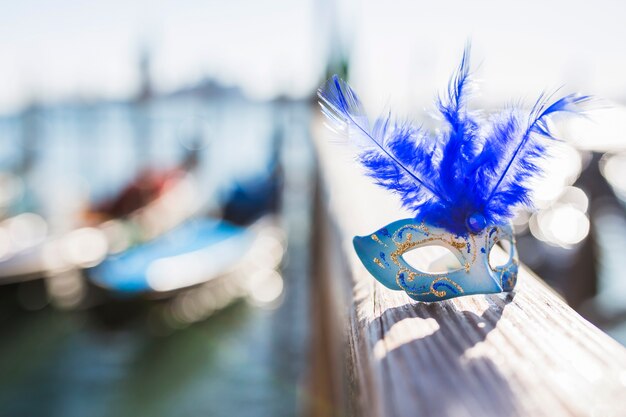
(476, 166)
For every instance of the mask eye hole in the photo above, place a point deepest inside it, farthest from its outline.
(432, 259)
(500, 253)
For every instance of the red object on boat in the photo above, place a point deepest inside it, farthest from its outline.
(144, 189)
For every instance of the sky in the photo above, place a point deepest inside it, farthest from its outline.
(401, 51)
(57, 49)
(406, 50)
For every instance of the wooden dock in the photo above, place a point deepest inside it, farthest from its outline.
(521, 354)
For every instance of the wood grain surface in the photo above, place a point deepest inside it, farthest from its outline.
(521, 354)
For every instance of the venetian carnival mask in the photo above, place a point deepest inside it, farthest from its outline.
(382, 254)
(463, 183)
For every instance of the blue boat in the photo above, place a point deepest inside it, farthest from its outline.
(193, 253)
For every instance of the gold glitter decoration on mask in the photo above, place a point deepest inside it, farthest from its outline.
(408, 244)
(379, 263)
(411, 275)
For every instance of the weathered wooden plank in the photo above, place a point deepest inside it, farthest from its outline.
(520, 354)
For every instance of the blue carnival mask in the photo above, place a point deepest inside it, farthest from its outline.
(462, 182)
(382, 254)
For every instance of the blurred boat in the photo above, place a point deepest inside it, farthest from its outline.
(149, 242)
(195, 252)
(189, 273)
(204, 264)
(148, 206)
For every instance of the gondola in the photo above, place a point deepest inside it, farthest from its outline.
(205, 263)
(152, 246)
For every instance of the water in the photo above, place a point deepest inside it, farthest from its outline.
(62, 364)
(244, 360)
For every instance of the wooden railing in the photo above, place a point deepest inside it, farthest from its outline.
(525, 353)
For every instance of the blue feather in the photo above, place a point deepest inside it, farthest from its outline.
(342, 107)
(509, 188)
(476, 166)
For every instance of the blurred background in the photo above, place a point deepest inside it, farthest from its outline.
(157, 177)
